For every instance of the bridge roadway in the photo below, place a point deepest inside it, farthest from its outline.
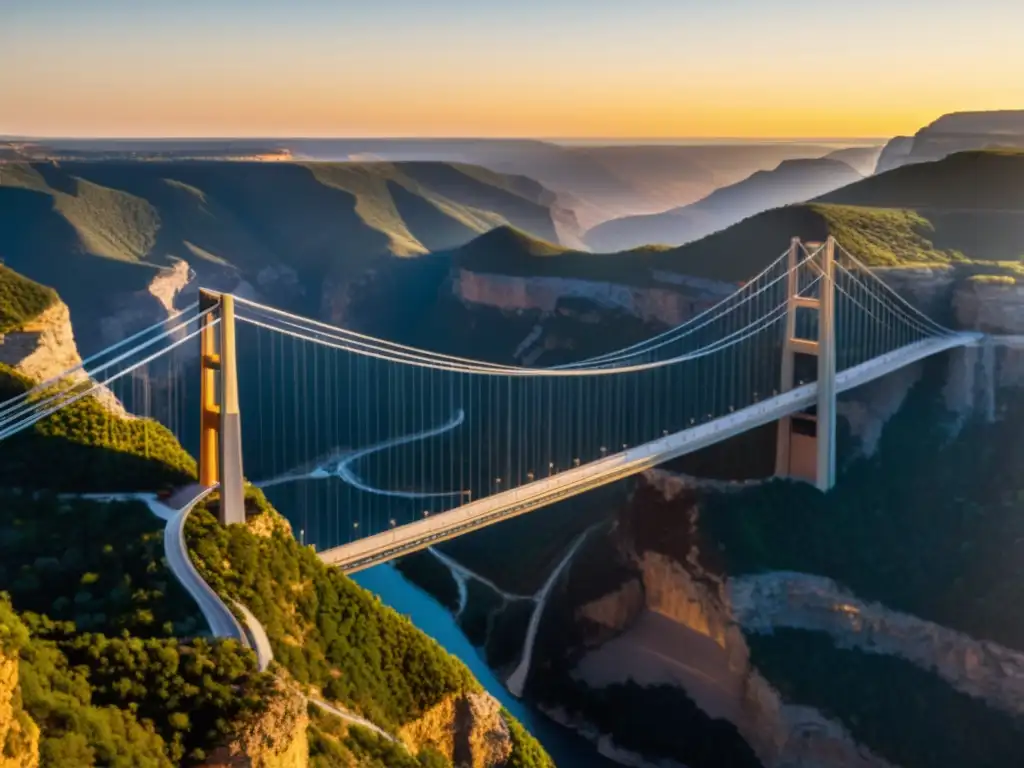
(421, 534)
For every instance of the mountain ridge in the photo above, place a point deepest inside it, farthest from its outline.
(791, 181)
(955, 132)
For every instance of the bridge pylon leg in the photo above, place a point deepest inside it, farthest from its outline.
(784, 435)
(805, 444)
(826, 458)
(220, 448)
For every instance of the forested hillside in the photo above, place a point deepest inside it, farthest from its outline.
(101, 232)
(334, 637)
(116, 664)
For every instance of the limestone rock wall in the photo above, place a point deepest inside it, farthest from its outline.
(19, 735)
(990, 307)
(698, 609)
(277, 739)
(870, 407)
(670, 305)
(615, 610)
(44, 348)
(982, 669)
(138, 310)
(469, 730)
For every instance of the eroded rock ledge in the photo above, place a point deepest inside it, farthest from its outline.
(978, 668)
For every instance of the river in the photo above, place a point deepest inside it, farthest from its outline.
(566, 748)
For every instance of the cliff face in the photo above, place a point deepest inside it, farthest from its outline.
(674, 625)
(19, 735)
(870, 408)
(982, 669)
(275, 740)
(667, 305)
(992, 307)
(955, 132)
(179, 285)
(469, 730)
(44, 347)
(929, 289)
(894, 153)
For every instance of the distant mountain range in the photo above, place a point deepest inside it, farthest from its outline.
(792, 181)
(95, 231)
(596, 183)
(955, 132)
(124, 241)
(967, 206)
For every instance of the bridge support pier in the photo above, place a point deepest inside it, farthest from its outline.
(805, 443)
(220, 447)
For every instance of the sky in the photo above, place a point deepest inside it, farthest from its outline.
(620, 69)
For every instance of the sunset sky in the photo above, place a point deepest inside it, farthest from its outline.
(544, 68)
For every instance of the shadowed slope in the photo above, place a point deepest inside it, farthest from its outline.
(793, 181)
(100, 232)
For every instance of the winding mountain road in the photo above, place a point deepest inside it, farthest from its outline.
(222, 622)
(343, 468)
(220, 618)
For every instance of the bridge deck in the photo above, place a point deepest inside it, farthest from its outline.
(418, 535)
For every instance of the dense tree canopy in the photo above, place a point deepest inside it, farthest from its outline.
(95, 448)
(328, 632)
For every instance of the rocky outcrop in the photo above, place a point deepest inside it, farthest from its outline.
(19, 735)
(44, 347)
(469, 730)
(982, 669)
(991, 307)
(894, 153)
(143, 308)
(277, 739)
(927, 289)
(617, 609)
(995, 308)
(955, 132)
(179, 285)
(666, 305)
(686, 635)
(870, 408)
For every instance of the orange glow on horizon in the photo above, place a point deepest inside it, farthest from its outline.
(656, 69)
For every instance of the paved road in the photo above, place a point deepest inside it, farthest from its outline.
(354, 719)
(265, 655)
(420, 534)
(517, 680)
(259, 641)
(342, 467)
(222, 622)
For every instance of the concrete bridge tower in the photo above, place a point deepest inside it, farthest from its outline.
(220, 447)
(806, 443)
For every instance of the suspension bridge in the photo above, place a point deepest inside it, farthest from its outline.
(376, 449)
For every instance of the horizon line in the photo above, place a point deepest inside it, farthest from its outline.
(453, 137)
